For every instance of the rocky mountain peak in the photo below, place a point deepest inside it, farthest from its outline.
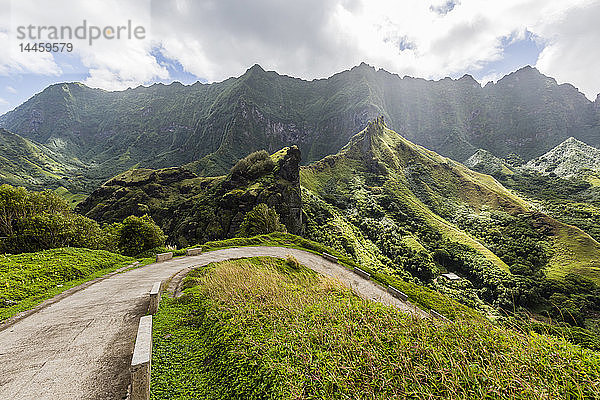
(485, 162)
(567, 160)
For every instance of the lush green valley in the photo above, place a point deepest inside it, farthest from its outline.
(395, 208)
(510, 253)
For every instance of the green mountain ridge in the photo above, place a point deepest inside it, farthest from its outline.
(193, 209)
(397, 209)
(379, 182)
(444, 195)
(26, 163)
(210, 126)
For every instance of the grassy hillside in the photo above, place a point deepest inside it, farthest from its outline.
(399, 210)
(29, 278)
(384, 177)
(26, 163)
(264, 328)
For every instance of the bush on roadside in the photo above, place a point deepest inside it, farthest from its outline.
(138, 234)
(261, 220)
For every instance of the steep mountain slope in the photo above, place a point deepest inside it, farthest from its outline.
(381, 185)
(387, 202)
(396, 208)
(210, 126)
(567, 160)
(26, 163)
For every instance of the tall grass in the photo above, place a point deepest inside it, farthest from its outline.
(264, 328)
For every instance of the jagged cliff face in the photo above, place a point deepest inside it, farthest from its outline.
(210, 126)
(567, 160)
(192, 209)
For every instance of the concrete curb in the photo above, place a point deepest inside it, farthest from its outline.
(154, 297)
(397, 293)
(362, 273)
(175, 280)
(437, 315)
(48, 302)
(193, 252)
(141, 362)
(164, 256)
(329, 257)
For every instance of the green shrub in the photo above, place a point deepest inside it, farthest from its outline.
(252, 166)
(111, 236)
(33, 221)
(139, 234)
(261, 221)
(292, 262)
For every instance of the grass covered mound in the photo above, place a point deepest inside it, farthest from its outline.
(29, 278)
(263, 328)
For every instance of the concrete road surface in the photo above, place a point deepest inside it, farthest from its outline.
(81, 346)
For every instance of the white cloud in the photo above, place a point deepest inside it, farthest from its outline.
(11, 90)
(316, 38)
(571, 53)
(3, 102)
(111, 64)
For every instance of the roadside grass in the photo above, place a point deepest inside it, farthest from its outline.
(420, 295)
(265, 328)
(28, 279)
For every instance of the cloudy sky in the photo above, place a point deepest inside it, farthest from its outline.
(208, 40)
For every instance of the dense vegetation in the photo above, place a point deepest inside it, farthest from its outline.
(29, 278)
(192, 209)
(261, 220)
(33, 221)
(399, 213)
(575, 201)
(265, 328)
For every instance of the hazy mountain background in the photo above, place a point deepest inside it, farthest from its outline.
(211, 126)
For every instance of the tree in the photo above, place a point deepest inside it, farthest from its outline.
(139, 234)
(261, 220)
(33, 221)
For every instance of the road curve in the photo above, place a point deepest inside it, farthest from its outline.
(81, 346)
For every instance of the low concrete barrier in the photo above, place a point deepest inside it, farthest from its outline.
(437, 315)
(194, 251)
(362, 273)
(329, 257)
(164, 256)
(154, 298)
(397, 293)
(141, 360)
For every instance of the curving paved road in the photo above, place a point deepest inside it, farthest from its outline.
(81, 346)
